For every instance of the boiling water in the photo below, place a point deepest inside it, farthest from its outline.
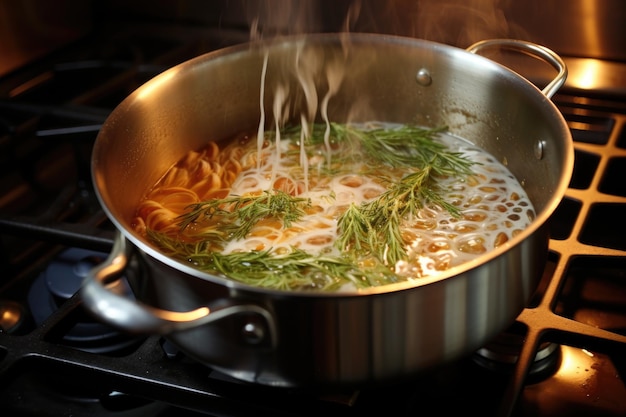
(493, 206)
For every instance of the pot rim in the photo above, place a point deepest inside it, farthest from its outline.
(539, 221)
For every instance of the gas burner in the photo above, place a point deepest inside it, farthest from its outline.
(56, 284)
(502, 353)
(11, 316)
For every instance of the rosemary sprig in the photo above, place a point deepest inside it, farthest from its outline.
(296, 269)
(397, 147)
(402, 146)
(237, 215)
(374, 226)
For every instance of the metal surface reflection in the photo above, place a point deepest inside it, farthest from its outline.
(586, 383)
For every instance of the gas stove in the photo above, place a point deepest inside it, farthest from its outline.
(563, 356)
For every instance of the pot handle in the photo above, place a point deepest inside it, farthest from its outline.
(102, 293)
(531, 49)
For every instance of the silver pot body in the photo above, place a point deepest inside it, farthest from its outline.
(297, 338)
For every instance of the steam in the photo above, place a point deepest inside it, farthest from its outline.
(288, 18)
(459, 22)
(455, 22)
(308, 65)
(334, 75)
(261, 130)
(305, 68)
(272, 18)
(281, 97)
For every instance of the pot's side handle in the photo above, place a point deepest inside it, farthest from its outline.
(102, 293)
(531, 49)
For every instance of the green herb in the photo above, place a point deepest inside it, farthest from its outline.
(397, 147)
(294, 270)
(401, 146)
(236, 215)
(375, 226)
(371, 230)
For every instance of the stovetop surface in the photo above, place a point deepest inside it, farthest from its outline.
(54, 360)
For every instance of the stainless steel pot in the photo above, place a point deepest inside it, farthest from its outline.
(297, 338)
